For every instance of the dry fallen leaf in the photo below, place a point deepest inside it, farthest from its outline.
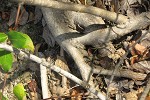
(131, 96)
(33, 92)
(138, 49)
(134, 59)
(139, 52)
(32, 86)
(77, 93)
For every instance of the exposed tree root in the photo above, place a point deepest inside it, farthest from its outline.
(62, 25)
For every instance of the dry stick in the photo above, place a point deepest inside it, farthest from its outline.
(122, 59)
(17, 17)
(54, 68)
(21, 15)
(121, 73)
(44, 80)
(146, 90)
(112, 16)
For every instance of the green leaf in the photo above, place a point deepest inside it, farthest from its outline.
(3, 97)
(6, 60)
(3, 37)
(19, 91)
(20, 40)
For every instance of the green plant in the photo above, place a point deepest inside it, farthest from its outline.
(19, 92)
(18, 40)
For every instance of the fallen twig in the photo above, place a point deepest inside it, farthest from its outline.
(112, 16)
(54, 68)
(44, 80)
(121, 73)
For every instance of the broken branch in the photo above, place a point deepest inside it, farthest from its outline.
(112, 16)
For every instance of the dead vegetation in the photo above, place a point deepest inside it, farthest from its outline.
(104, 43)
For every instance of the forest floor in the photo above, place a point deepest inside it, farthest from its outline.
(27, 72)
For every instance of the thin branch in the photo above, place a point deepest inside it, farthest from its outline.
(121, 73)
(44, 80)
(146, 90)
(112, 16)
(18, 13)
(54, 68)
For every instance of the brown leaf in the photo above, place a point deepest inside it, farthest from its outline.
(34, 95)
(139, 52)
(139, 49)
(133, 59)
(76, 94)
(32, 86)
(148, 98)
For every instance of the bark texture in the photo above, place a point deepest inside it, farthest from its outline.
(62, 25)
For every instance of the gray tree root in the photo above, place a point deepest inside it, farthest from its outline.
(63, 26)
(100, 36)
